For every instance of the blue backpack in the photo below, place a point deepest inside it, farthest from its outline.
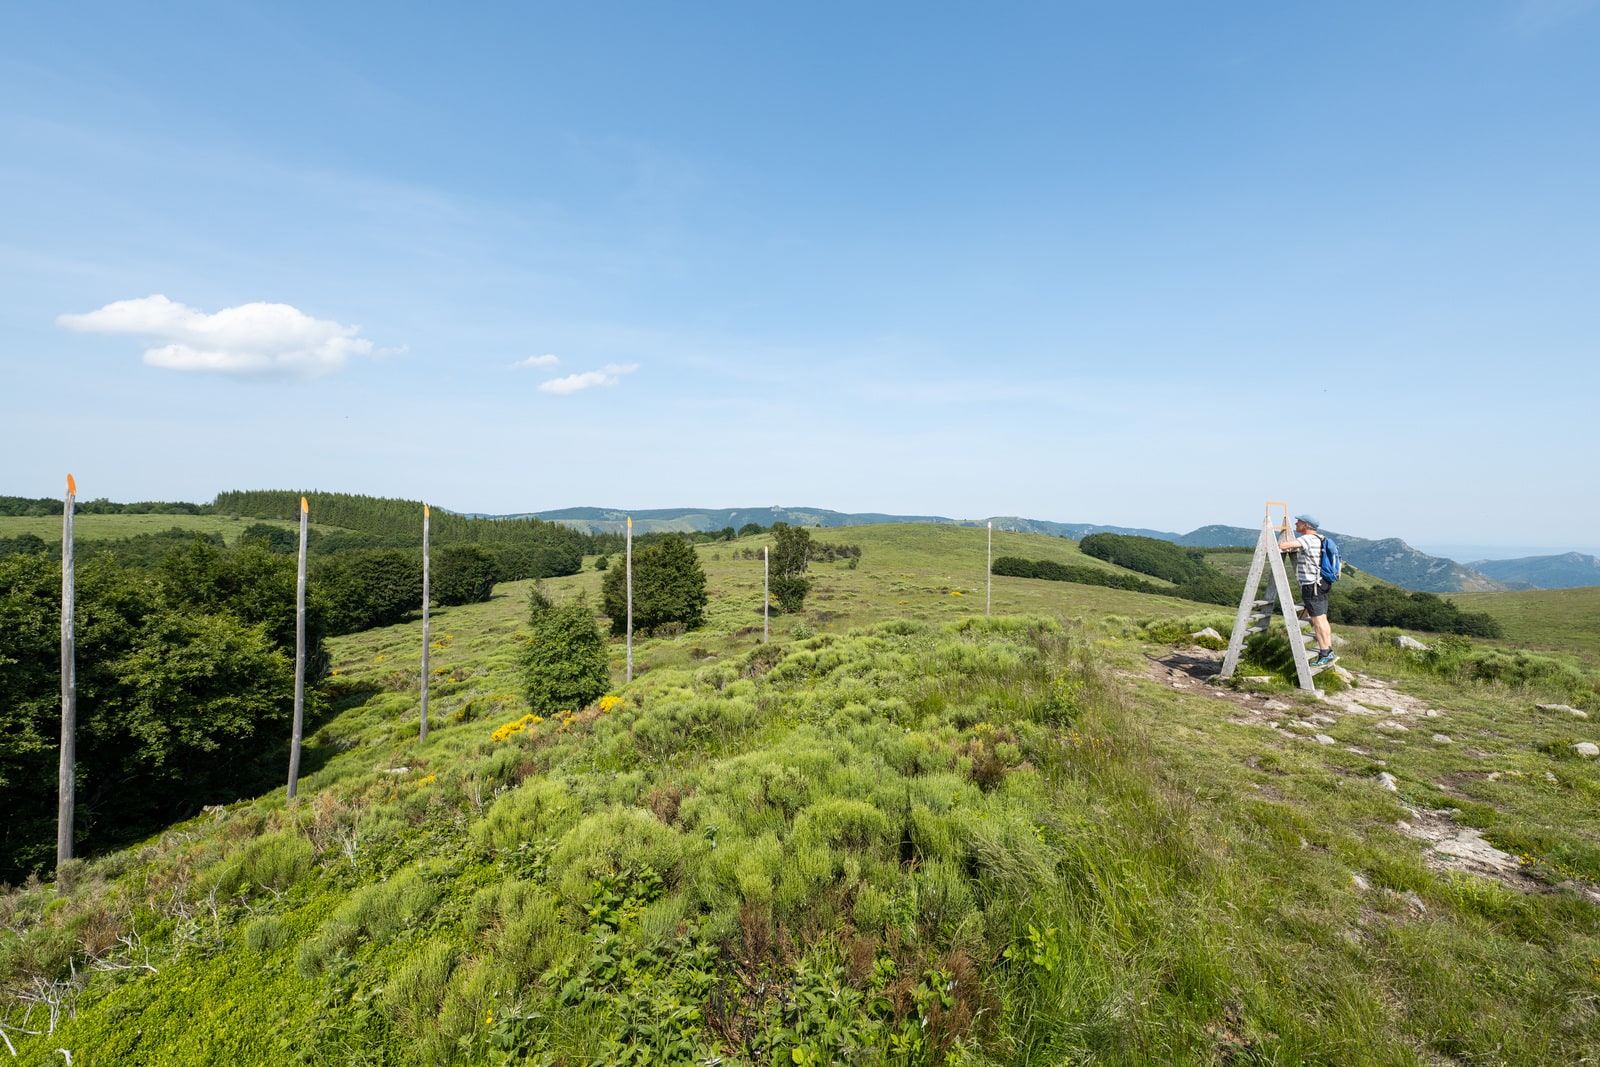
(1332, 564)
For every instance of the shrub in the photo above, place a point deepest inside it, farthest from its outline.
(564, 662)
(278, 861)
(265, 934)
(790, 593)
(669, 587)
(417, 989)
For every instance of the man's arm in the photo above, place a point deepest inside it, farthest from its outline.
(1288, 544)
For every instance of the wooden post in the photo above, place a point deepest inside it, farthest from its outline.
(66, 783)
(766, 595)
(988, 572)
(423, 736)
(299, 657)
(630, 598)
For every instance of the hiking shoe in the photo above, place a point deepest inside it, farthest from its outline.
(1325, 660)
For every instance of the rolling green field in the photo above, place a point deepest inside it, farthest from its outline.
(1566, 619)
(902, 834)
(117, 527)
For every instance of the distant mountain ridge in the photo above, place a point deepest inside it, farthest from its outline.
(1389, 558)
(1570, 570)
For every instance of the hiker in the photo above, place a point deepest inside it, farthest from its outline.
(1307, 548)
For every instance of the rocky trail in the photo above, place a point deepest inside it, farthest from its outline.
(1449, 846)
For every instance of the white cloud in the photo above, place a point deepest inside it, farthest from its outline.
(538, 361)
(258, 340)
(572, 383)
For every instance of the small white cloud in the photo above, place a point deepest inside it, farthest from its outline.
(572, 383)
(538, 361)
(259, 340)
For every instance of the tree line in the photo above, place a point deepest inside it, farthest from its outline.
(185, 688)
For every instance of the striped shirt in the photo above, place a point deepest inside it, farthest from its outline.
(1308, 559)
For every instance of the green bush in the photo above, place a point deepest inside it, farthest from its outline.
(415, 992)
(278, 860)
(265, 934)
(669, 586)
(565, 665)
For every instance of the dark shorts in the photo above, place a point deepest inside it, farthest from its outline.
(1315, 598)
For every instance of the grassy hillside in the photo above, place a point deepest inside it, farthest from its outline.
(117, 527)
(1566, 619)
(900, 834)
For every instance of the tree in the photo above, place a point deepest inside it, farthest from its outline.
(564, 664)
(669, 586)
(277, 539)
(183, 687)
(790, 552)
(368, 588)
(462, 574)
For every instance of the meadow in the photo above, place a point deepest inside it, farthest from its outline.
(901, 833)
(117, 527)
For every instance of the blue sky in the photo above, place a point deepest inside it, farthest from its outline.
(1136, 263)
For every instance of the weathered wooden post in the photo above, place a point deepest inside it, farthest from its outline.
(988, 572)
(69, 682)
(766, 595)
(630, 598)
(299, 657)
(423, 736)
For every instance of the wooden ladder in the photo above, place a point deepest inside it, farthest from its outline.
(1255, 616)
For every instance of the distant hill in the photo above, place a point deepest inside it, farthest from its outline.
(1570, 570)
(681, 520)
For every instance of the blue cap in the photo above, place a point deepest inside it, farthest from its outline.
(1308, 520)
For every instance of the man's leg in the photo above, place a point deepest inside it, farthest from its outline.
(1320, 627)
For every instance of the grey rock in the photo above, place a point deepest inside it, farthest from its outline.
(1208, 632)
(1405, 641)
(1443, 739)
(1587, 749)
(1568, 708)
(1388, 781)
(1324, 739)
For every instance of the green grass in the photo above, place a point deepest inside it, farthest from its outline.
(916, 836)
(1566, 619)
(118, 527)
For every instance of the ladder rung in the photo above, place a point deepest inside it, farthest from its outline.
(1256, 630)
(1260, 603)
(1257, 616)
